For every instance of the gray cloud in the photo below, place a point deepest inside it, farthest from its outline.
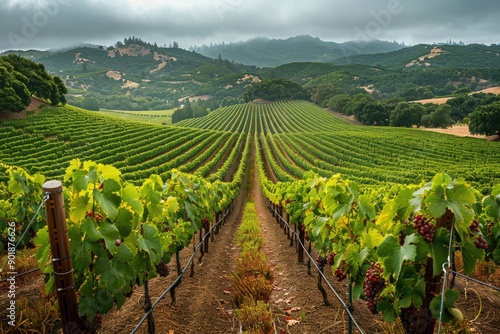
(44, 24)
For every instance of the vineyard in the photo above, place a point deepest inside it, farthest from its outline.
(385, 208)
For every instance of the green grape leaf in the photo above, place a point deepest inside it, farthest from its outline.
(411, 293)
(387, 308)
(491, 203)
(109, 233)
(81, 179)
(385, 218)
(109, 172)
(450, 296)
(43, 251)
(392, 254)
(130, 195)
(90, 230)
(458, 199)
(366, 208)
(87, 302)
(439, 250)
(124, 222)
(79, 207)
(355, 256)
(150, 242)
(80, 249)
(470, 255)
(115, 275)
(109, 204)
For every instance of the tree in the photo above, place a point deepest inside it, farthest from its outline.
(14, 94)
(440, 118)
(407, 114)
(485, 120)
(374, 113)
(339, 102)
(275, 89)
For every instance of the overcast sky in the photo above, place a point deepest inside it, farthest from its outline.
(44, 24)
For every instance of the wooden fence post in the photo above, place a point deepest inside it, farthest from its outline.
(61, 258)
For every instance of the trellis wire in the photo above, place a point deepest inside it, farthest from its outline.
(45, 198)
(175, 282)
(345, 306)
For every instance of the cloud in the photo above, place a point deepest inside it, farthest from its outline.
(52, 23)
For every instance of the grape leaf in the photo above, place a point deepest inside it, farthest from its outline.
(458, 199)
(79, 206)
(109, 204)
(392, 254)
(150, 242)
(439, 249)
(109, 233)
(130, 195)
(470, 255)
(89, 228)
(492, 203)
(450, 296)
(124, 222)
(80, 249)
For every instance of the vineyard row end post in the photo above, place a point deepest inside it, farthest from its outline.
(61, 257)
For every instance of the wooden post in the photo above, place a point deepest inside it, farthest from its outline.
(300, 245)
(425, 322)
(61, 258)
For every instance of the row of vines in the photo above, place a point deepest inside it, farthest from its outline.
(389, 242)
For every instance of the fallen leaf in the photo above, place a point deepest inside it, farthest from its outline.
(292, 322)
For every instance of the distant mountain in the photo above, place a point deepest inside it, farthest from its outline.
(431, 56)
(264, 52)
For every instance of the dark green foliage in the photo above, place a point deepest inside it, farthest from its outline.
(14, 95)
(190, 110)
(462, 106)
(439, 118)
(91, 103)
(407, 115)
(275, 89)
(485, 120)
(374, 113)
(23, 78)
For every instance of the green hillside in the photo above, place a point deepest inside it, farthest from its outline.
(465, 56)
(141, 76)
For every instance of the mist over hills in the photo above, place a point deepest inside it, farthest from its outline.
(265, 52)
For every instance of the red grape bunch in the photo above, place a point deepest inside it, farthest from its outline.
(321, 261)
(340, 274)
(96, 325)
(481, 243)
(424, 228)
(162, 269)
(409, 319)
(474, 226)
(330, 258)
(373, 286)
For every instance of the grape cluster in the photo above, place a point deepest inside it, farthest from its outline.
(96, 325)
(481, 243)
(330, 258)
(424, 228)
(321, 261)
(162, 269)
(373, 286)
(474, 226)
(409, 319)
(340, 274)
